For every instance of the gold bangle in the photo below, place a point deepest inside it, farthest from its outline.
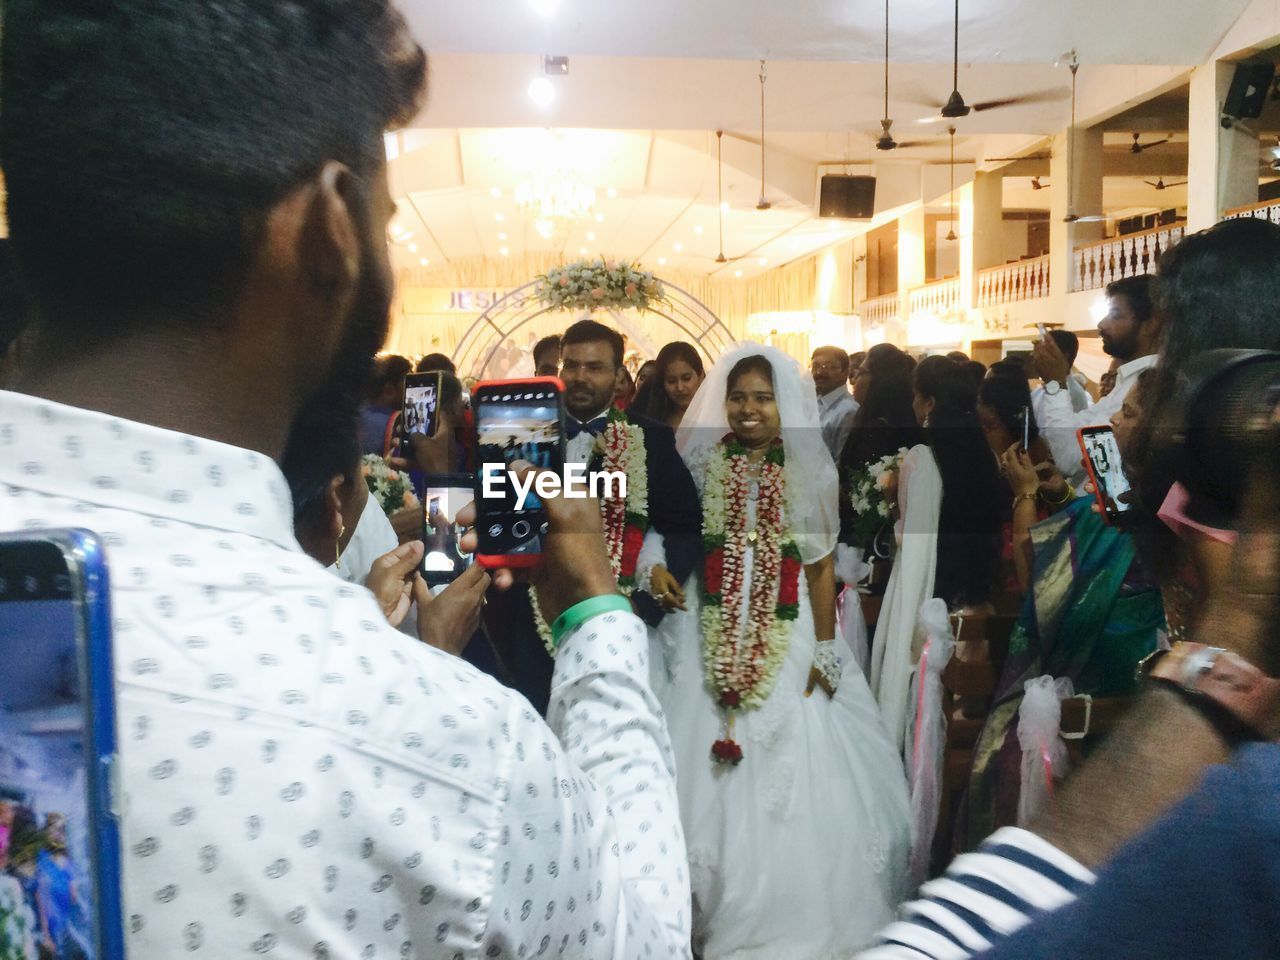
(1029, 497)
(1071, 492)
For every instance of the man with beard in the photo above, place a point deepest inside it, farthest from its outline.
(198, 204)
(1131, 334)
(591, 368)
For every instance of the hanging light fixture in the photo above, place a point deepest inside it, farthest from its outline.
(951, 231)
(763, 204)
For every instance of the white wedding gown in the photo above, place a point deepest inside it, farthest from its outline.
(800, 851)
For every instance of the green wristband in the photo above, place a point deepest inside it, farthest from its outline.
(583, 611)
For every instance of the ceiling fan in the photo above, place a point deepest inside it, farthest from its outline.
(1041, 155)
(955, 107)
(1072, 216)
(886, 141)
(720, 257)
(1137, 147)
(1159, 183)
(1036, 184)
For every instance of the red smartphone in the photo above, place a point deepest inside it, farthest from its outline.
(1102, 461)
(515, 420)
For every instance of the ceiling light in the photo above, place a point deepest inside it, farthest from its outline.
(724, 205)
(599, 218)
(582, 251)
(545, 8)
(737, 273)
(612, 192)
(413, 248)
(662, 261)
(678, 247)
(423, 262)
(499, 217)
(397, 229)
(495, 192)
(762, 261)
(697, 228)
(591, 236)
(502, 236)
(542, 92)
(503, 250)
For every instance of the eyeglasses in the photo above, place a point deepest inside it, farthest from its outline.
(822, 365)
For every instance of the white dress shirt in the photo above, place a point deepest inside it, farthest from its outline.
(582, 447)
(303, 781)
(1080, 398)
(1058, 421)
(835, 415)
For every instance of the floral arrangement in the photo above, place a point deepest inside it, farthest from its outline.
(869, 494)
(390, 486)
(626, 520)
(743, 655)
(588, 284)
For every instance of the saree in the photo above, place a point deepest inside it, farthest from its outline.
(1088, 616)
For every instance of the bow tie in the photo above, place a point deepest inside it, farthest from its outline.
(594, 427)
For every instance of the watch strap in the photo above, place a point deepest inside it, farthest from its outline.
(1228, 680)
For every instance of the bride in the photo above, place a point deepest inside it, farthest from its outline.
(794, 801)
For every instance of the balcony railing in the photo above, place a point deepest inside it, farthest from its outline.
(1022, 280)
(1098, 264)
(1266, 210)
(940, 298)
(879, 311)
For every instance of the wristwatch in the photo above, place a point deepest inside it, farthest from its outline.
(1052, 387)
(1212, 675)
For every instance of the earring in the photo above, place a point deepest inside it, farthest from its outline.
(337, 548)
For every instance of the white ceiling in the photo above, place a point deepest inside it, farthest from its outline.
(991, 31)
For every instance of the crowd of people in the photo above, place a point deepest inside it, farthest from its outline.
(662, 740)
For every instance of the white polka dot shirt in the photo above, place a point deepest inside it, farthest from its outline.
(304, 781)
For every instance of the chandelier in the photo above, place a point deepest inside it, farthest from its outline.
(554, 201)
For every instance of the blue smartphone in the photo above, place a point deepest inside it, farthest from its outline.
(59, 837)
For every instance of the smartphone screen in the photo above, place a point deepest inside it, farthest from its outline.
(1026, 428)
(443, 561)
(421, 403)
(1105, 469)
(58, 844)
(515, 420)
(1043, 331)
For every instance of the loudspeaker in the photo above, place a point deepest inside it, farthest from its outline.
(1248, 93)
(847, 198)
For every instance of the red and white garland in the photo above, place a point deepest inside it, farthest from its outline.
(743, 654)
(626, 519)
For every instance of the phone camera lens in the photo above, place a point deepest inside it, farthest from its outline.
(520, 528)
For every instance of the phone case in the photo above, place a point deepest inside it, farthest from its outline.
(83, 553)
(491, 561)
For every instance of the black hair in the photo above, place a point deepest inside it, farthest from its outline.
(323, 443)
(144, 142)
(959, 356)
(592, 331)
(13, 308)
(1215, 289)
(1067, 342)
(841, 354)
(1137, 293)
(1007, 394)
(660, 406)
(976, 369)
(885, 422)
(969, 521)
(855, 361)
(548, 343)
(755, 363)
(388, 369)
(435, 361)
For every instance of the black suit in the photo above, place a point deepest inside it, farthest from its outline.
(675, 511)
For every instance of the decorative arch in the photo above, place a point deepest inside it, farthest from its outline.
(690, 319)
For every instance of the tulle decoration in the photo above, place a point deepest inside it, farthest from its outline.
(924, 769)
(851, 569)
(1044, 753)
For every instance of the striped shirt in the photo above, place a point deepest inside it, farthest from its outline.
(983, 897)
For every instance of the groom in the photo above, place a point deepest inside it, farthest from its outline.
(591, 366)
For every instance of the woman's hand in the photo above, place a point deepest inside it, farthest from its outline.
(1021, 474)
(390, 580)
(665, 588)
(1053, 485)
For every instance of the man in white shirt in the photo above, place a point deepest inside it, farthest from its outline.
(836, 406)
(301, 780)
(1131, 333)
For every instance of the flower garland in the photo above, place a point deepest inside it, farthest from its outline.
(743, 656)
(869, 496)
(588, 284)
(626, 520)
(391, 487)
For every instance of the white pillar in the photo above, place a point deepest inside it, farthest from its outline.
(988, 220)
(911, 272)
(1082, 153)
(1222, 165)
